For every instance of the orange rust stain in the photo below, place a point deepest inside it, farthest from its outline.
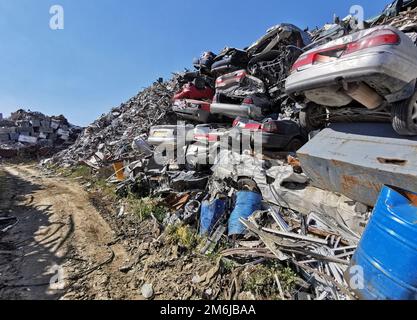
(350, 183)
(412, 197)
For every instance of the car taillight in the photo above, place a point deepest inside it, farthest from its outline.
(206, 137)
(310, 57)
(212, 137)
(248, 101)
(303, 61)
(253, 126)
(200, 136)
(270, 127)
(374, 39)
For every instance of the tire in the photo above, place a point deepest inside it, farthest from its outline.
(312, 117)
(404, 116)
(294, 145)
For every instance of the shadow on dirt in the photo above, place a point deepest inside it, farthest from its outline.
(28, 259)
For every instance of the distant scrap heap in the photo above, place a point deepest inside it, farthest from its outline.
(33, 133)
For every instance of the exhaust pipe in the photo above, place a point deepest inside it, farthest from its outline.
(365, 95)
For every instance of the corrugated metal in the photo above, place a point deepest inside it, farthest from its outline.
(357, 160)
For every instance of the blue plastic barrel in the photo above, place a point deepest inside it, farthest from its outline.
(387, 252)
(247, 203)
(211, 212)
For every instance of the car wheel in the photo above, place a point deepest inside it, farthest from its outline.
(312, 117)
(294, 145)
(404, 116)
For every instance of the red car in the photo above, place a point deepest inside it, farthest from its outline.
(190, 91)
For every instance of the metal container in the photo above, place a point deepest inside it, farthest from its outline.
(211, 212)
(387, 253)
(358, 159)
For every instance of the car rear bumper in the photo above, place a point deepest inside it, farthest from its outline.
(236, 110)
(193, 114)
(156, 141)
(270, 141)
(397, 70)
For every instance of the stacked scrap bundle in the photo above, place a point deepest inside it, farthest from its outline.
(243, 82)
(33, 130)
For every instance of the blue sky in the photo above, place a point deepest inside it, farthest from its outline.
(111, 49)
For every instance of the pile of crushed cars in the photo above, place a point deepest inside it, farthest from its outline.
(33, 133)
(335, 109)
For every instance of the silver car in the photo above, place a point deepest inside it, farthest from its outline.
(373, 70)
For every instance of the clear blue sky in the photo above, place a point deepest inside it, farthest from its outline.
(111, 49)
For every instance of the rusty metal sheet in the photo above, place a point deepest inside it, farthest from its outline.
(358, 159)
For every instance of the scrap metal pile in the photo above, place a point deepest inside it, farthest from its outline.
(308, 210)
(110, 137)
(33, 132)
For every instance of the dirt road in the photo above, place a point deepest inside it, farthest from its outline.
(61, 248)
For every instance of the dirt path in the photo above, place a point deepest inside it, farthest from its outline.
(60, 238)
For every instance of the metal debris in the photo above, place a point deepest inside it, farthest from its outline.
(302, 222)
(26, 132)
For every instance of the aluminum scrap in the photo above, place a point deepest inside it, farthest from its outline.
(113, 133)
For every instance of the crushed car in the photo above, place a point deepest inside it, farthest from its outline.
(284, 135)
(205, 62)
(207, 141)
(281, 34)
(229, 60)
(195, 110)
(209, 132)
(168, 134)
(272, 55)
(238, 85)
(256, 106)
(192, 91)
(374, 70)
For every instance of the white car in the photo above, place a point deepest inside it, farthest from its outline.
(374, 69)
